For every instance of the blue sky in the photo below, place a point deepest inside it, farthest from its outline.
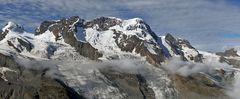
(210, 25)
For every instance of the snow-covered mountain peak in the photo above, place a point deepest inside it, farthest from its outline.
(14, 38)
(11, 26)
(135, 26)
(176, 46)
(135, 23)
(230, 53)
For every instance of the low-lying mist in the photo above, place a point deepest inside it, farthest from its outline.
(50, 67)
(184, 68)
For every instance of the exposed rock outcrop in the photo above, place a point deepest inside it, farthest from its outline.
(65, 29)
(134, 86)
(134, 44)
(103, 23)
(183, 48)
(196, 87)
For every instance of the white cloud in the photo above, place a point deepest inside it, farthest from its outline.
(199, 21)
(177, 66)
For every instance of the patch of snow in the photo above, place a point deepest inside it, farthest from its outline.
(209, 57)
(3, 70)
(102, 40)
(141, 30)
(189, 52)
(135, 22)
(48, 36)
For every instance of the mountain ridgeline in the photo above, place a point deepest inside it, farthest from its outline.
(105, 58)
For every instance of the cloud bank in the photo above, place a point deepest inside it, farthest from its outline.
(183, 68)
(51, 67)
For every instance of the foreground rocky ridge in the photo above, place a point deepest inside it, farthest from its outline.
(19, 82)
(102, 39)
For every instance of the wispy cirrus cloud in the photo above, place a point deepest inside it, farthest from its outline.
(201, 21)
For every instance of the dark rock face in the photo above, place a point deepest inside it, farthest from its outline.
(23, 83)
(128, 44)
(174, 44)
(66, 28)
(2, 34)
(25, 44)
(228, 53)
(22, 44)
(197, 87)
(40, 88)
(12, 45)
(134, 85)
(103, 23)
(8, 61)
(44, 27)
